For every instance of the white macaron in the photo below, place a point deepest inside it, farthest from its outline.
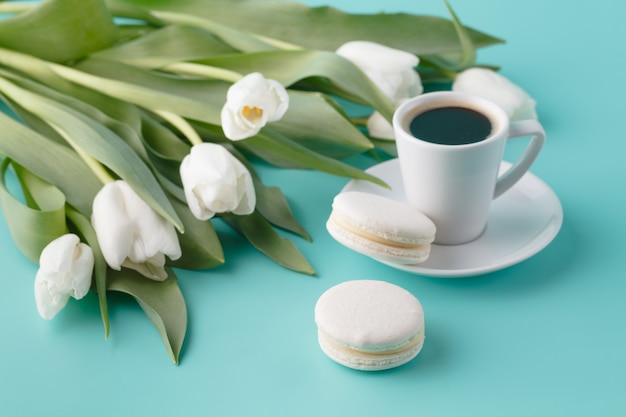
(381, 227)
(369, 325)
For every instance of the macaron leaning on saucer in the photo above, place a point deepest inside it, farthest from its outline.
(381, 227)
(369, 325)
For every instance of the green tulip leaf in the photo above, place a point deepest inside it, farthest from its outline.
(38, 222)
(162, 302)
(259, 232)
(316, 122)
(279, 150)
(34, 123)
(50, 30)
(166, 45)
(200, 244)
(164, 148)
(41, 156)
(451, 63)
(271, 202)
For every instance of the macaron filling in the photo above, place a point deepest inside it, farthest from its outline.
(366, 360)
(405, 345)
(381, 238)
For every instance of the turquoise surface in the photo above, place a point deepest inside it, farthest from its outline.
(545, 337)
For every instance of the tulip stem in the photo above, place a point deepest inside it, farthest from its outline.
(280, 44)
(94, 165)
(205, 71)
(182, 125)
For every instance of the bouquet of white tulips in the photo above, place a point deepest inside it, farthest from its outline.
(132, 125)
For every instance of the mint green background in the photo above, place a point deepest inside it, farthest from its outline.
(546, 337)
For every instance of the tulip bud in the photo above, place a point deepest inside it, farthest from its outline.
(391, 70)
(131, 234)
(216, 182)
(65, 269)
(486, 83)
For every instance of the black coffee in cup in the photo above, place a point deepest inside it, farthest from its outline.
(454, 125)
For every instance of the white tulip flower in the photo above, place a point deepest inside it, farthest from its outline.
(216, 182)
(251, 103)
(65, 270)
(131, 234)
(391, 70)
(489, 84)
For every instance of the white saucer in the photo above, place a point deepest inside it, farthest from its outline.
(522, 222)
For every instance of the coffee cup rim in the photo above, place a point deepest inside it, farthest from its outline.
(438, 99)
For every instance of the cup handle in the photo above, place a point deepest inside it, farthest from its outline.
(517, 171)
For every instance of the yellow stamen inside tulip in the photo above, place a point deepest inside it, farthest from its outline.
(253, 114)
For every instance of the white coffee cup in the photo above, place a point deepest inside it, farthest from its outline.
(454, 184)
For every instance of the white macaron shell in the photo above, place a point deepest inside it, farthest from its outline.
(369, 315)
(384, 217)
